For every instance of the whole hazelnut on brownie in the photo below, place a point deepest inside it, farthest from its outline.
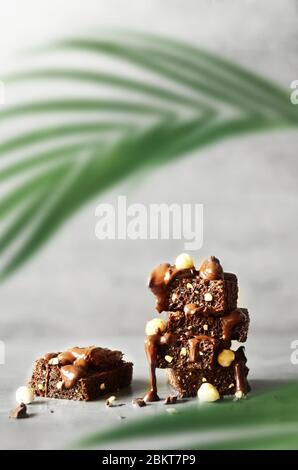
(211, 269)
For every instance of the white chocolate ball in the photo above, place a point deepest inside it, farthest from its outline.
(184, 261)
(25, 395)
(156, 325)
(226, 357)
(208, 393)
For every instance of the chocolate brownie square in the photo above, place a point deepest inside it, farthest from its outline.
(228, 380)
(228, 326)
(80, 373)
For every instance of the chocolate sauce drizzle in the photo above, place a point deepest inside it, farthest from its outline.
(229, 321)
(194, 343)
(163, 275)
(158, 282)
(192, 309)
(239, 371)
(151, 347)
(74, 363)
(152, 344)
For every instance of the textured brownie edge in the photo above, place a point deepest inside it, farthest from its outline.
(187, 380)
(45, 379)
(210, 324)
(179, 355)
(187, 290)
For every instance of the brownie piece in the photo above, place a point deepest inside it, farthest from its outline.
(223, 293)
(199, 350)
(174, 288)
(80, 373)
(187, 380)
(229, 326)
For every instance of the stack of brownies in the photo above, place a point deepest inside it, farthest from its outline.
(194, 344)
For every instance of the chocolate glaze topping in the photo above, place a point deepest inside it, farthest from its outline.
(159, 280)
(49, 356)
(151, 348)
(192, 309)
(239, 371)
(211, 269)
(71, 374)
(75, 363)
(162, 276)
(194, 343)
(229, 321)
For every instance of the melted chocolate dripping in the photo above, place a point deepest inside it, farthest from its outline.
(71, 374)
(160, 279)
(239, 371)
(74, 363)
(229, 321)
(158, 283)
(151, 348)
(194, 343)
(49, 356)
(192, 309)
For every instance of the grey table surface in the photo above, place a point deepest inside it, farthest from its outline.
(55, 424)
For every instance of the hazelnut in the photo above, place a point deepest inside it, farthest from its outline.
(102, 386)
(208, 393)
(184, 261)
(110, 401)
(226, 357)
(168, 359)
(25, 395)
(208, 297)
(156, 325)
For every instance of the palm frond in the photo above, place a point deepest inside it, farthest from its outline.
(260, 422)
(188, 99)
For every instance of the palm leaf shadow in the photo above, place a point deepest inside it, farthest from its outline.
(179, 108)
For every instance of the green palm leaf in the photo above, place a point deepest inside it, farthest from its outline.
(189, 99)
(265, 421)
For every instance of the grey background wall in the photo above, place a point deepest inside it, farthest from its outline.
(78, 286)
